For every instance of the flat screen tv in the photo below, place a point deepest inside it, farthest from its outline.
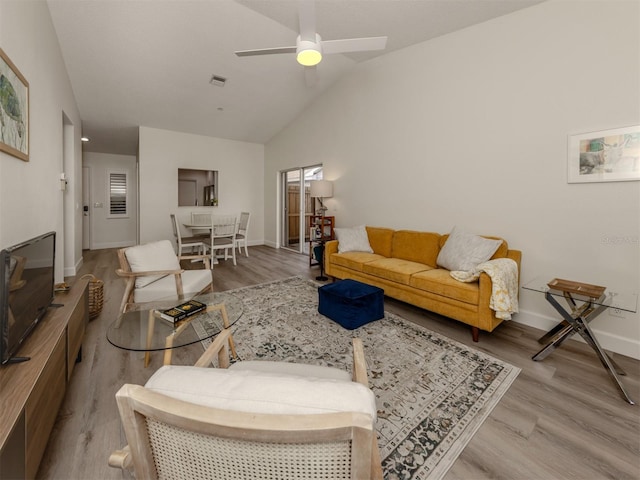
(26, 291)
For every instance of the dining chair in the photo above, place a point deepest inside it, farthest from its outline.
(187, 243)
(223, 237)
(201, 218)
(250, 420)
(242, 233)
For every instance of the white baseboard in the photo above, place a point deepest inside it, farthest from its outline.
(130, 243)
(71, 271)
(100, 246)
(609, 341)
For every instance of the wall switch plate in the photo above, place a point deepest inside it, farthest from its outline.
(616, 312)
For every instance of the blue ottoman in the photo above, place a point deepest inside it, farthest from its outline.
(351, 303)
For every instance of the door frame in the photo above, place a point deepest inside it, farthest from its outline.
(305, 175)
(86, 207)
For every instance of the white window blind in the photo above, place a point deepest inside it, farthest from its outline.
(117, 194)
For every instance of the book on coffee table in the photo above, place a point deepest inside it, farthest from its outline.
(182, 311)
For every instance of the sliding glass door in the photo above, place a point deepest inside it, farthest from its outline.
(297, 206)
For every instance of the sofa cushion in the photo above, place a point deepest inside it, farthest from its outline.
(354, 260)
(420, 247)
(380, 240)
(353, 239)
(465, 251)
(394, 269)
(440, 282)
(501, 252)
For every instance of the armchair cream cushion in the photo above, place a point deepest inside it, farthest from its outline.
(154, 256)
(290, 368)
(160, 256)
(263, 391)
(193, 281)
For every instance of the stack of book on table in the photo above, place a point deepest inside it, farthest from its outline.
(182, 311)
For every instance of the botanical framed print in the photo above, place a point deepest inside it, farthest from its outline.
(14, 110)
(605, 156)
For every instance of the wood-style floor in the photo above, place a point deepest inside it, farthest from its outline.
(561, 419)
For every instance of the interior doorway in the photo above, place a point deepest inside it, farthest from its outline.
(297, 206)
(86, 210)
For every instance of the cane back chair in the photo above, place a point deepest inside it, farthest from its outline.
(254, 420)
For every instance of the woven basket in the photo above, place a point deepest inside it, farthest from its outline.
(96, 295)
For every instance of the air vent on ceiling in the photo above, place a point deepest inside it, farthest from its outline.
(217, 80)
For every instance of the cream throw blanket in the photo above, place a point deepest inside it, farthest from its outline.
(504, 279)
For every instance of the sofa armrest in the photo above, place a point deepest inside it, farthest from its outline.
(516, 256)
(331, 247)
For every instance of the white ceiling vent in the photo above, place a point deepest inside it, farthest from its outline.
(217, 80)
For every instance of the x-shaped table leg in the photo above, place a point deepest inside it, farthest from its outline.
(577, 321)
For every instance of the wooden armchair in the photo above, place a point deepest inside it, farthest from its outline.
(152, 272)
(252, 420)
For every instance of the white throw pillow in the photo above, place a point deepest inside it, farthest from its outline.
(465, 251)
(151, 257)
(354, 239)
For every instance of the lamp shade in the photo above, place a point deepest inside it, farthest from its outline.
(321, 188)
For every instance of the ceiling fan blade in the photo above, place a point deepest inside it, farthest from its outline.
(310, 76)
(307, 19)
(265, 51)
(347, 45)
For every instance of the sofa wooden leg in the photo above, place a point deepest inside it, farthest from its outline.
(475, 333)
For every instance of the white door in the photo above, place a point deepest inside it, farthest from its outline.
(86, 210)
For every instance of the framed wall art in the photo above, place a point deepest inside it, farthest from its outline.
(605, 156)
(14, 110)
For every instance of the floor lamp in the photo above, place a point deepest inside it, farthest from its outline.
(321, 189)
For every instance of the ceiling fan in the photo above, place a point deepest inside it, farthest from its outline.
(310, 47)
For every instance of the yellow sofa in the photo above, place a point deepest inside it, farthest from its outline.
(403, 264)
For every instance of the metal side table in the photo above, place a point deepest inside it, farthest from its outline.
(585, 302)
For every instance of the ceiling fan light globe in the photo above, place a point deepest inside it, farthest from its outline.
(308, 53)
(309, 57)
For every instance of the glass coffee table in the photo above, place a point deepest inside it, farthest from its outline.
(584, 302)
(141, 329)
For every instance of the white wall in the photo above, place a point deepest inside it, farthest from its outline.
(471, 128)
(240, 167)
(31, 202)
(111, 232)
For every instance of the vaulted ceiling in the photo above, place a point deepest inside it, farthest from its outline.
(150, 62)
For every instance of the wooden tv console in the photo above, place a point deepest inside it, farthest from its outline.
(31, 392)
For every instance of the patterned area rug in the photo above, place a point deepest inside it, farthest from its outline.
(432, 393)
